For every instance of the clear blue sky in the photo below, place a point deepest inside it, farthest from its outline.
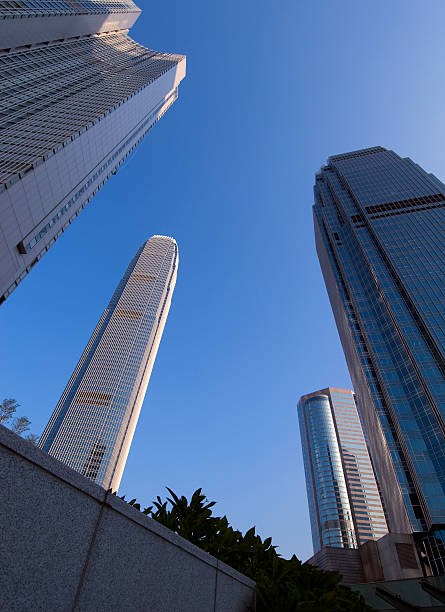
(272, 89)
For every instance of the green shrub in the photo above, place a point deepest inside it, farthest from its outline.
(282, 585)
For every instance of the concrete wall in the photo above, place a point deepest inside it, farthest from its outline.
(392, 557)
(399, 557)
(371, 562)
(68, 545)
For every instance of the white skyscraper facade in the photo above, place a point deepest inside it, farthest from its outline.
(77, 95)
(93, 424)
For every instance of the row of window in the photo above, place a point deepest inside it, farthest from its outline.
(69, 417)
(66, 87)
(62, 211)
(64, 7)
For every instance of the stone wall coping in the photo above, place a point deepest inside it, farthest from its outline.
(56, 468)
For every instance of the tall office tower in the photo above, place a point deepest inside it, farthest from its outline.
(77, 96)
(93, 424)
(344, 501)
(380, 235)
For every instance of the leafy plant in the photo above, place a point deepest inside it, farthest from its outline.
(282, 585)
(19, 425)
(7, 410)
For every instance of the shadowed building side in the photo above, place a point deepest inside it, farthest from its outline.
(93, 424)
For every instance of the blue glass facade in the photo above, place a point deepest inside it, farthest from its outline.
(380, 234)
(329, 507)
(344, 501)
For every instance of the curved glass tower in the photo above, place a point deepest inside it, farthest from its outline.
(344, 502)
(380, 235)
(78, 95)
(93, 424)
(329, 508)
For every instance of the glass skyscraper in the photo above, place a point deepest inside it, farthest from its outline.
(93, 424)
(344, 501)
(77, 96)
(380, 235)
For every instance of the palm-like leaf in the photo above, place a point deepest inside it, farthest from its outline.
(282, 585)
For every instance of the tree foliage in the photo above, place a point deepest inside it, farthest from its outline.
(283, 585)
(18, 425)
(7, 410)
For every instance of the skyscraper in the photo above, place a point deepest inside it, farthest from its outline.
(93, 424)
(344, 501)
(77, 95)
(380, 235)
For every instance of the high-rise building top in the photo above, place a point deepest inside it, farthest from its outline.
(93, 424)
(14, 9)
(380, 234)
(344, 501)
(32, 22)
(77, 97)
(61, 91)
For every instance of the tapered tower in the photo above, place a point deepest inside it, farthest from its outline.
(93, 424)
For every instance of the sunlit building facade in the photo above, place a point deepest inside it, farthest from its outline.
(77, 96)
(344, 501)
(380, 235)
(93, 424)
